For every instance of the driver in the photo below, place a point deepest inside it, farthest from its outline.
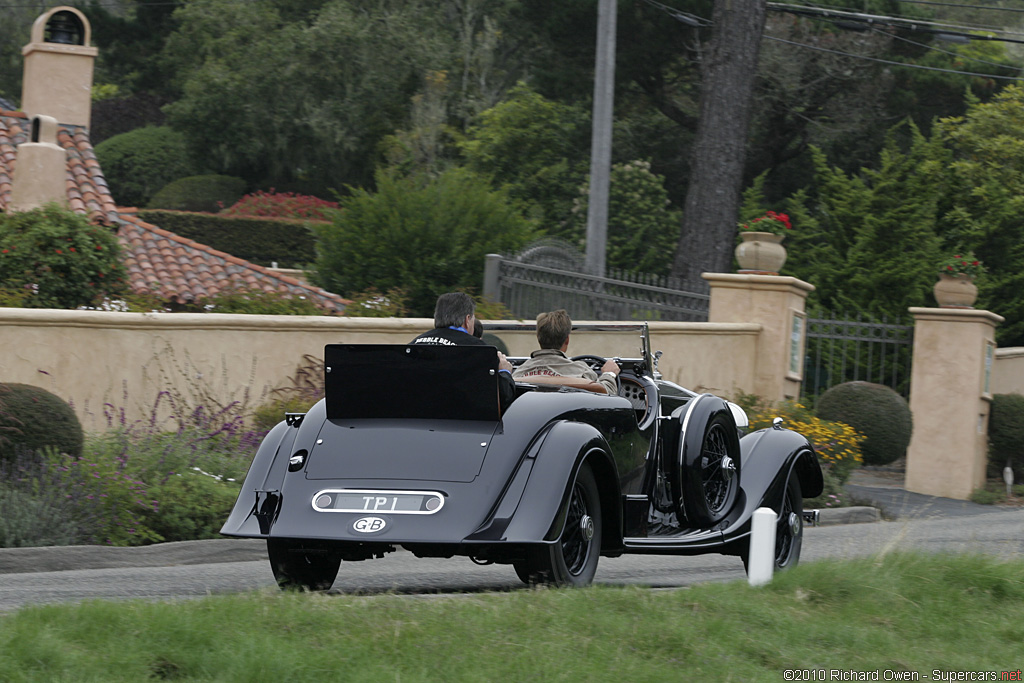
(550, 360)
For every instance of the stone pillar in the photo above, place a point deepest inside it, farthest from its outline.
(950, 391)
(777, 304)
(59, 67)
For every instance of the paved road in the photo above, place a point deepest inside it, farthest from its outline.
(174, 571)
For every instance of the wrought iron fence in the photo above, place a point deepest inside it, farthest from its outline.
(549, 275)
(843, 348)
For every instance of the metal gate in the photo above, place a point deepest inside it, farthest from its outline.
(843, 348)
(549, 275)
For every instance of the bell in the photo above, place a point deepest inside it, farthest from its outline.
(62, 28)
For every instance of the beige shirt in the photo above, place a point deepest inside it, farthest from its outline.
(554, 363)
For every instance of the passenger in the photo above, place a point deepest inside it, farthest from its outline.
(454, 324)
(549, 360)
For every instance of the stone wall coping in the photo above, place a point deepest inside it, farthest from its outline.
(763, 282)
(965, 315)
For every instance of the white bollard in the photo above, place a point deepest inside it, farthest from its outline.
(761, 563)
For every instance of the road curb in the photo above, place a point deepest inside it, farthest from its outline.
(857, 514)
(64, 558)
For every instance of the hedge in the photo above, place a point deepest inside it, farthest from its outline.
(262, 241)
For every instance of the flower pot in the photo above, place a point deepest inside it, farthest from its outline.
(955, 291)
(761, 252)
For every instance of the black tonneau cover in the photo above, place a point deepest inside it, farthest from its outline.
(411, 381)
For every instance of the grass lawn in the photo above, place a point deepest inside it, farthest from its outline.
(901, 617)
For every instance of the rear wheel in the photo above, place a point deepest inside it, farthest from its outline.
(572, 560)
(305, 567)
(712, 474)
(789, 528)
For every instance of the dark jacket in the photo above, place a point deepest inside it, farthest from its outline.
(446, 336)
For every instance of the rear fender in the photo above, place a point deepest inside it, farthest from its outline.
(565, 447)
(259, 499)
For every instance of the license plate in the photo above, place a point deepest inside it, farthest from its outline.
(393, 502)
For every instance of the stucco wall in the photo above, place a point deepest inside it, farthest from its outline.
(1008, 371)
(92, 358)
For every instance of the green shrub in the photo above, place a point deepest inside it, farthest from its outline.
(262, 241)
(138, 163)
(1006, 435)
(192, 506)
(59, 258)
(209, 193)
(260, 302)
(37, 419)
(421, 234)
(874, 410)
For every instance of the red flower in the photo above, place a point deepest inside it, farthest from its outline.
(99, 248)
(72, 248)
(59, 251)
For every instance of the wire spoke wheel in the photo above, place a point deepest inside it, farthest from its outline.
(572, 559)
(716, 471)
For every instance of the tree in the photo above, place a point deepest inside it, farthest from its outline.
(643, 228)
(421, 235)
(867, 241)
(261, 102)
(536, 149)
(712, 199)
(983, 200)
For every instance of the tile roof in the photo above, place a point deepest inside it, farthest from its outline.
(183, 271)
(158, 262)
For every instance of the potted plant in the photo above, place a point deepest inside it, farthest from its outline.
(956, 288)
(760, 250)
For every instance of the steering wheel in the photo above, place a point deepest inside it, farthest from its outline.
(595, 362)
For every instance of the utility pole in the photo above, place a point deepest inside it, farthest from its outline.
(601, 138)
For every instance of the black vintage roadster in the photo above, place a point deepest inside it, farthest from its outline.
(410, 448)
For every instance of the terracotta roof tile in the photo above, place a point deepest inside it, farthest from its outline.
(158, 262)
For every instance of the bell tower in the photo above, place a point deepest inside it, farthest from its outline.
(59, 67)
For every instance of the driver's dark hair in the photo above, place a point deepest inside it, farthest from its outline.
(553, 329)
(452, 309)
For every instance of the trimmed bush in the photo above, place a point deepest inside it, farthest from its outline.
(1006, 435)
(262, 241)
(35, 419)
(209, 193)
(138, 163)
(58, 259)
(874, 410)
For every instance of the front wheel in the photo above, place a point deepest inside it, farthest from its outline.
(789, 529)
(296, 565)
(572, 560)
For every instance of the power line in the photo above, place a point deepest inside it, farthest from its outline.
(852, 20)
(939, 49)
(679, 15)
(959, 6)
(890, 62)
